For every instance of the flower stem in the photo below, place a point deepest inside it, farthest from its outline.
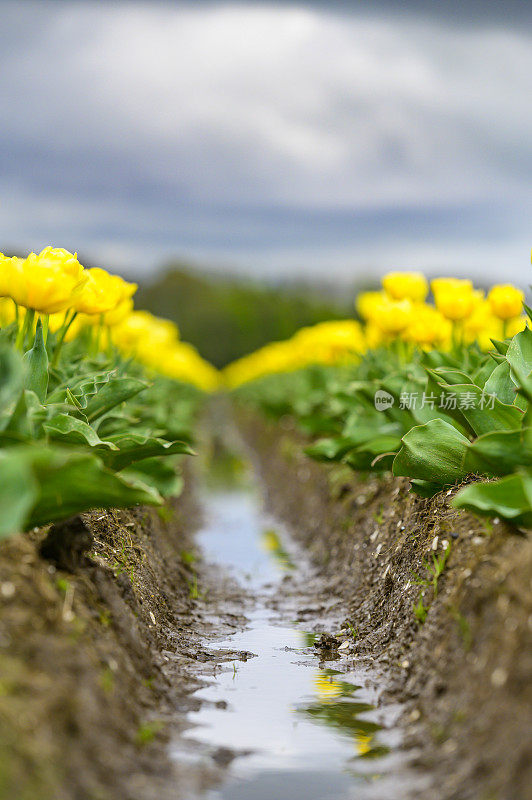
(45, 319)
(61, 337)
(98, 335)
(24, 328)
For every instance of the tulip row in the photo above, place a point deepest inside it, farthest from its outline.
(97, 401)
(74, 302)
(438, 393)
(398, 316)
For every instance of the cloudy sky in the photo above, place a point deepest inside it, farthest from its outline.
(327, 139)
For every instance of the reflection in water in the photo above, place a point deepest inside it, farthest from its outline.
(302, 726)
(363, 744)
(271, 543)
(337, 708)
(327, 687)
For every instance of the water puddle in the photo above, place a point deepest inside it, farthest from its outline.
(303, 729)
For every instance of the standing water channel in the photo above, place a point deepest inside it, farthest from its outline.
(301, 727)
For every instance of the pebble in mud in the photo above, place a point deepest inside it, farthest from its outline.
(7, 589)
(223, 756)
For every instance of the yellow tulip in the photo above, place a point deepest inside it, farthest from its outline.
(331, 342)
(56, 321)
(119, 313)
(374, 335)
(103, 292)
(482, 326)
(367, 304)
(506, 301)
(7, 311)
(182, 362)
(143, 331)
(428, 327)
(406, 286)
(385, 314)
(155, 343)
(334, 339)
(516, 325)
(6, 263)
(393, 316)
(481, 319)
(48, 282)
(455, 298)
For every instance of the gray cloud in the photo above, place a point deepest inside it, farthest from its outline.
(278, 137)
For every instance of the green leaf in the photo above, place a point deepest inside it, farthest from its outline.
(73, 400)
(437, 358)
(8, 334)
(509, 497)
(519, 357)
(111, 394)
(159, 473)
(18, 492)
(425, 413)
(330, 449)
(424, 488)
(116, 424)
(500, 346)
(27, 417)
(70, 429)
(432, 452)
(501, 385)
(83, 386)
(11, 378)
(45, 484)
(483, 373)
(500, 452)
(134, 447)
(483, 413)
(36, 363)
(366, 456)
(361, 426)
(380, 444)
(71, 482)
(449, 376)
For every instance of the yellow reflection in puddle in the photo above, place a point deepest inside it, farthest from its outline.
(271, 543)
(327, 687)
(363, 743)
(337, 707)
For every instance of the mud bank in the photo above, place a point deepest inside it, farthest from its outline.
(438, 598)
(93, 644)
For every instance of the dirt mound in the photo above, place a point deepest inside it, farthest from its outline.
(83, 632)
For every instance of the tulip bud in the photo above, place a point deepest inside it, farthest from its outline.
(36, 362)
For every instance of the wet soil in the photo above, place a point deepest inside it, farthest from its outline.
(108, 645)
(295, 720)
(460, 663)
(85, 643)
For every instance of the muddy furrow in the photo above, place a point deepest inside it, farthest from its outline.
(264, 638)
(439, 600)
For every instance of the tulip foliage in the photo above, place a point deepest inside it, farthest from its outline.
(438, 393)
(97, 401)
